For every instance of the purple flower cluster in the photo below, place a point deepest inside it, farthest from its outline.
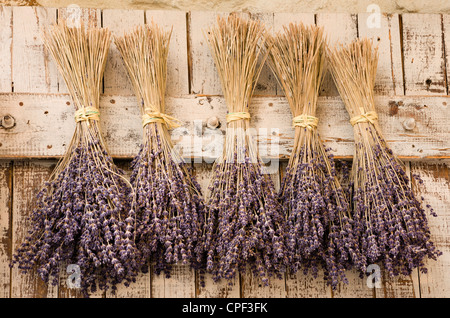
(168, 204)
(81, 217)
(390, 220)
(319, 226)
(244, 226)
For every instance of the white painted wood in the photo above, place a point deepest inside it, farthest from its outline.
(5, 48)
(119, 22)
(44, 125)
(423, 54)
(340, 28)
(446, 34)
(27, 181)
(177, 61)
(436, 191)
(252, 287)
(181, 283)
(389, 80)
(5, 229)
(33, 70)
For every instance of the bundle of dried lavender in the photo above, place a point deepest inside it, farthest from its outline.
(319, 225)
(167, 204)
(390, 220)
(81, 214)
(244, 224)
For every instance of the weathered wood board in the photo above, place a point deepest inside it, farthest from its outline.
(413, 82)
(44, 125)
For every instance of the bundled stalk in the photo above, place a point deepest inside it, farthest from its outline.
(319, 229)
(81, 214)
(167, 203)
(244, 224)
(388, 217)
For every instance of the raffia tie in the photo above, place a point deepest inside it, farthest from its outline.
(237, 116)
(370, 117)
(305, 121)
(151, 116)
(86, 113)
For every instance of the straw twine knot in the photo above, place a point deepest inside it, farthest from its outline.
(305, 121)
(151, 116)
(86, 113)
(237, 116)
(370, 117)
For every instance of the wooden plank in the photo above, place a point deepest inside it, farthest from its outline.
(73, 17)
(177, 61)
(446, 35)
(204, 76)
(423, 54)
(339, 28)
(28, 179)
(5, 229)
(251, 287)
(116, 79)
(436, 191)
(5, 48)
(33, 70)
(181, 283)
(356, 288)
(212, 289)
(44, 124)
(389, 80)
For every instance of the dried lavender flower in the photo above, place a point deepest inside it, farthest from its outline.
(319, 226)
(167, 203)
(390, 220)
(81, 214)
(244, 227)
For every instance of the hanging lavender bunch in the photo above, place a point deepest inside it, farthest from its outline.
(80, 215)
(319, 229)
(244, 224)
(167, 203)
(388, 217)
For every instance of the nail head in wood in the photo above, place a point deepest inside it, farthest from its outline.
(7, 122)
(409, 124)
(213, 122)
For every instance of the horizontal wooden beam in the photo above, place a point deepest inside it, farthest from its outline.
(44, 125)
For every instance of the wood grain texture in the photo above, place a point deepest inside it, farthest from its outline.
(28, 178)
(33, 70)
(389, 80)
(446, 35)
(116, 79)
(339, 28)
(177, 61)
(181, 283)
(436, 192)
(5, 227)
(44, 125)
(423, 54)
(6, 48)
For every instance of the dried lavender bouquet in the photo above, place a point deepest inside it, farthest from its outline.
(319, 229)
(244, 224)
(168, 204)
(388, 216)
(81, 213)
